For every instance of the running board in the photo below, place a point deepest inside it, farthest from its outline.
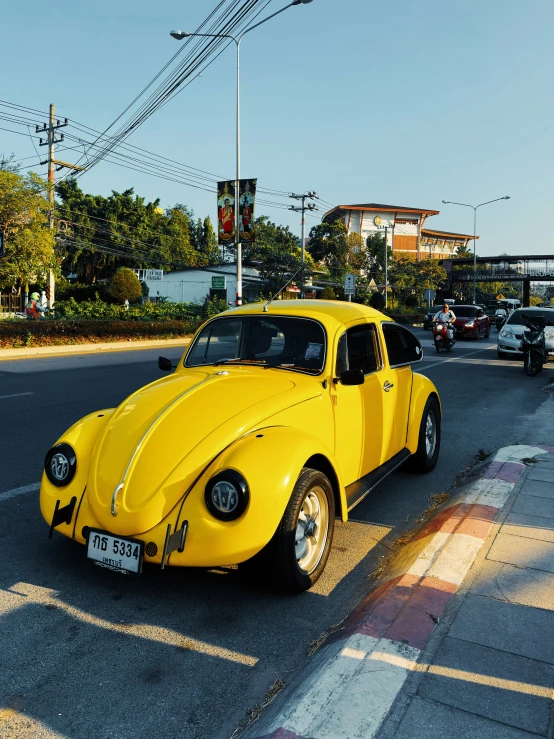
(359, 489)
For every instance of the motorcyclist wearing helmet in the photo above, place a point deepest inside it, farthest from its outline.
(34, 309)
(446, 315)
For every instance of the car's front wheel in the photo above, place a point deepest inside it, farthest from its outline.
(300, 547)
(427, 454)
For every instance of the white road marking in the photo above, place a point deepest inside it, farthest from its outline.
(436, 361)
(33, 488)
(14, 395)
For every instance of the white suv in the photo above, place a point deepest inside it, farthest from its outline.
(509, 338)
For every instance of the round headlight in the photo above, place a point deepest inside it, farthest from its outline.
(60, 465)
(227, 495)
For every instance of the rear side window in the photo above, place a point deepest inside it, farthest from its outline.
(359, 349)
(402, 346)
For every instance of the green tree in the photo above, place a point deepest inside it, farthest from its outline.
(208, 248)
(100, 234)
(464, 251)
(29, 244)
(377, 301)
(330, 247)
(125, 285)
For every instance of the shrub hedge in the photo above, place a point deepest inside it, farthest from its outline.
(20, 333)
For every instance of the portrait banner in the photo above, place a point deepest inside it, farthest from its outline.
(226, 212)
(247, 197)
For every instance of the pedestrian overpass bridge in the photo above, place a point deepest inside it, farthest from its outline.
(526, 269)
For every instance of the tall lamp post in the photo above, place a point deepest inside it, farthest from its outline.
(466, 205)
(180, 35)
(386, 230)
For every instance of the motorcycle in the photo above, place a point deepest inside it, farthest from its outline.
(533, 346)
(442, 337)
(499, 322)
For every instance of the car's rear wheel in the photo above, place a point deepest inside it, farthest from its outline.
(298, 552)
(427, 454)
(486, 336)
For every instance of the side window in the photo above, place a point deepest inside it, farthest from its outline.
(402, 346)
(358, 349)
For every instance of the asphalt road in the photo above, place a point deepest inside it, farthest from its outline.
(183, 653)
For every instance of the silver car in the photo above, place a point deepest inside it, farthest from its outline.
(511, 334)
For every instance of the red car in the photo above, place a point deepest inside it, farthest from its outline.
(471, 321)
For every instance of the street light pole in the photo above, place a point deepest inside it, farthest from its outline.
(180, 35)
(386, 228)
(475, 207)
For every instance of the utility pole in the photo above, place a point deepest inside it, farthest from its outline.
(311, 195)
(50, 129)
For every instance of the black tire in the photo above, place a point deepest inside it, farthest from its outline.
(277, 562)
(486, 336)
(531, 365)
(437, 347)
(502, 355)
(422, 461)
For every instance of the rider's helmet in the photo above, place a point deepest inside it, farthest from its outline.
(35, 296)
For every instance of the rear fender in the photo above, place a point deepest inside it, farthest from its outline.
(422, 389)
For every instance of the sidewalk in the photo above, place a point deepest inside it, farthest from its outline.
(105, 346)
(488, 669)
(457, 637)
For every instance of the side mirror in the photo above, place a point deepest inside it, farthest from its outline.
(352, 377)
(165, 364)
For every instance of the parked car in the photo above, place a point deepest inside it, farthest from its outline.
(471, 322)
(277, 419)
(430, 315)
(511, 334)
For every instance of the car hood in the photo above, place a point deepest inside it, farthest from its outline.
(161, 438)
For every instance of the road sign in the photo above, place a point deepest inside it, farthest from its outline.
(429, 295)
(218, 282)
(350, 284)
(373, 286)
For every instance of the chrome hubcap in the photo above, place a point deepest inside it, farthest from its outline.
(430, 434)
(311, 529)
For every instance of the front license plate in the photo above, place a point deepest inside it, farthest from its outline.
(115, 553)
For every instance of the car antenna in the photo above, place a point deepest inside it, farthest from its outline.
(272, 298)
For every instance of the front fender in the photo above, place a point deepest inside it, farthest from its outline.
(271, 460)
(82, 437)
(422, 388)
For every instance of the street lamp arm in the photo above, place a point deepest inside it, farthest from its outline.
(269, 17)
(453, 202)
(506, 197)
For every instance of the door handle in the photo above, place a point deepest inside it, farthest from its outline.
(387, 386)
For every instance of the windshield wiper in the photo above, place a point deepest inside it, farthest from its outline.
(239, 361)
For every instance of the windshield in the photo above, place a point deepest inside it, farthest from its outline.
(464, 311)
(287, 343)
(516, 316)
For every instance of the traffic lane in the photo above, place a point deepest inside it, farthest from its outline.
(486, 403)
(63, 389)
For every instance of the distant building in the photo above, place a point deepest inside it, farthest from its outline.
(404, 228)
(198, 284)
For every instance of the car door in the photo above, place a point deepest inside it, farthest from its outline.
(402, 350)
(359, 409)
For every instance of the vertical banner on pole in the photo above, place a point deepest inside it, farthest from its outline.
(247, 198)
(226, 212)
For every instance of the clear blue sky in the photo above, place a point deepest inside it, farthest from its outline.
(401, 102)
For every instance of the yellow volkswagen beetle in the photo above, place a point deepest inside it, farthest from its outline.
(277, 419)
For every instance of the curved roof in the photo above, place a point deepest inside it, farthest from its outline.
(381, 207)
(321, 310)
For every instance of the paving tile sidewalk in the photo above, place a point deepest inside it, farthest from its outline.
(488, 669)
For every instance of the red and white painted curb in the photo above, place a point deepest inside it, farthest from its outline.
(356, 679)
